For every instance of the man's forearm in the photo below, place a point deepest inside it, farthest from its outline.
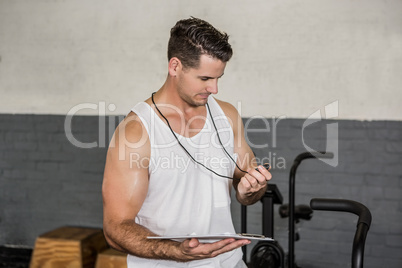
(131, 238)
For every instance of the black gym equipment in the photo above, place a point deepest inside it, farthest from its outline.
(270, 254)
(292, 214)
(363, 223)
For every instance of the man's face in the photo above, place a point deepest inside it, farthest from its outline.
(196, 84)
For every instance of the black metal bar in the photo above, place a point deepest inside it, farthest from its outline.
(243, 228)
(272, 196)
(343, 205)
(268, 217)
(292, 186)
(358, 245)
(363, 224)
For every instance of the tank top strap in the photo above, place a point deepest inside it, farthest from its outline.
(144, 112)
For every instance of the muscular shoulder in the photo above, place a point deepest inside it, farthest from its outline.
(131, 135)
(230, 112)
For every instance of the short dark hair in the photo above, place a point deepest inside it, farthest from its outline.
(193, 37)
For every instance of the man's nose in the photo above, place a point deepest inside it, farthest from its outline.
(213, 86)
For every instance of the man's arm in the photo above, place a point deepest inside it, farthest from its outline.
(251, 185)
(124, 189)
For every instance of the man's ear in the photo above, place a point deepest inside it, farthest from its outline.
(174, 66)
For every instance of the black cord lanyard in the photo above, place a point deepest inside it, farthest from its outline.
(187, 152)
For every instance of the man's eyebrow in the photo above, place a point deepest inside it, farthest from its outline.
(204, 76)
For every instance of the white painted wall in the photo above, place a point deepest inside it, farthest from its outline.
(291, 58)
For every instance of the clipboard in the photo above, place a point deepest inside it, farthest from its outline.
(214, 237)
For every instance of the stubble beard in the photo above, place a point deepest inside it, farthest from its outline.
(191, 101)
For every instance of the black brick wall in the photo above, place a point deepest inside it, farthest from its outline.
(46, 182)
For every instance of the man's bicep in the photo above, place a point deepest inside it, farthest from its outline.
(125, 183)
(124, 189)
(245, 158)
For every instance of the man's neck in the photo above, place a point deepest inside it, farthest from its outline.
(168, 95)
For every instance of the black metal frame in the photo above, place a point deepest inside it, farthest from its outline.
(363, 224)
(272, 196)
(292, 186)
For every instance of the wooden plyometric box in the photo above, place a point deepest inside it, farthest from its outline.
(111, 258)
(68, 247)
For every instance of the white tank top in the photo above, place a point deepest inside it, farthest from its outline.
(184, 197)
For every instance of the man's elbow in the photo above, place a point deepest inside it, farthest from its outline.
(108, 234)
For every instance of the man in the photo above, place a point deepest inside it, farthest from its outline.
(174, 158)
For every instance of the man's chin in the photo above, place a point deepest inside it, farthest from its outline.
(202, 102)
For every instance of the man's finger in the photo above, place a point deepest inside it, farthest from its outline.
(229, 247)
(263, 171)
(258, 177)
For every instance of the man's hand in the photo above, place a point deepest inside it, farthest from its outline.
(253, 184)
(192, 249)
